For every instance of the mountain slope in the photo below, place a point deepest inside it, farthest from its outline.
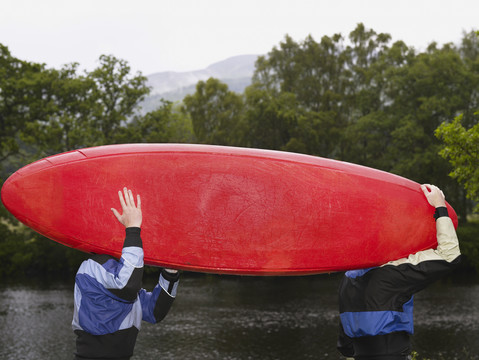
(236, 72)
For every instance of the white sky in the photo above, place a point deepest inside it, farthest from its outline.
(184, 35)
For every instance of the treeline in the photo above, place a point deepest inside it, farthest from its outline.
(360, 99)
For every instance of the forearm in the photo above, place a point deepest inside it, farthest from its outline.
(169, 283)
(157, 304)
(169, 280)
(132, 253)
(122, 278)
(132, 237)
(447, 241)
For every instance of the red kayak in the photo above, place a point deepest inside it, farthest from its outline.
(226, 210)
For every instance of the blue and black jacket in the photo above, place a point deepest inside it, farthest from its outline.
(110, 303)
(376, 304)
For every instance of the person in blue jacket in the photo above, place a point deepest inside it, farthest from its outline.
(109, 300)
(376, 304)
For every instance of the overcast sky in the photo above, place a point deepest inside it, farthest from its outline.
(184, 35)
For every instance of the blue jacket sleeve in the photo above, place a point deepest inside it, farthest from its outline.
(123, 278)
(156, 304)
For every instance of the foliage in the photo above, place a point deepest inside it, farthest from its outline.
(469, 245)
(21, 99)
(269, 119)
(65, 121)
(415, 356)
(461, 136)
(115, 95)
(25, 254)
(214, 112)
(462, 150)
(165, 124)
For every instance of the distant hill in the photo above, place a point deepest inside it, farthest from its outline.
(236, 72)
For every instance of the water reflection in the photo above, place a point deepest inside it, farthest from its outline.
(253, 318)
(446, 317)
(33, 323)
(223, 317)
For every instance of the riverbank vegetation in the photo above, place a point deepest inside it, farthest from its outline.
(359, 98)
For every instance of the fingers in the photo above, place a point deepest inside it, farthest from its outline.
(427, 188)
(127, 197)
(127, 200)
(132, 199)
(434, 195)
(117, 214)
(122, 201)
(433, 189)
(424, 189)
(131, 215)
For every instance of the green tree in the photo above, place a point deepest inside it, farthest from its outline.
(295, 97)
(66, 124)
(436, 86)
(330, 86)
(84, 110)
(116, 95)
(423, 92)
(368, 140)
(279, 71)
(55, 110)
(268, 120)
(461, 148)
(166, 124)
(365, 68)
(368, 134)
(215, 112)
(21, 100)
(460, 137)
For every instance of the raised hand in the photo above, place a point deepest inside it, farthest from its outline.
(434, 195)
(131, 214)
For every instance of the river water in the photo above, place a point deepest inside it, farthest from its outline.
(228, 317)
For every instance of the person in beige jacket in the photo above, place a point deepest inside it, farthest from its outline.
(376, 304)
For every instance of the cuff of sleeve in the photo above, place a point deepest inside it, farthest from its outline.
(133, 237)
(171, 277)
(440, 212)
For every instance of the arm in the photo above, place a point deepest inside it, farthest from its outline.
(106, 287)
(448, 244)
(156, 304)
(123, 278)
(424, 267)
(132, 254)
